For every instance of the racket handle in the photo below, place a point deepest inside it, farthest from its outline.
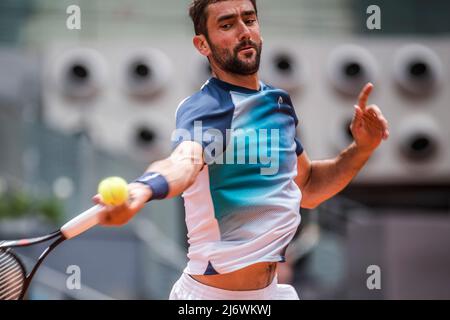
(82, 222)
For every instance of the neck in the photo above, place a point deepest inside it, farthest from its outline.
(246, 81)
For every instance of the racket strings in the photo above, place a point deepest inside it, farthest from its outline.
(12, 276)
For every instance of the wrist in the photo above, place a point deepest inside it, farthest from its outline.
(157, 184)
(362, 149)
(146, 190)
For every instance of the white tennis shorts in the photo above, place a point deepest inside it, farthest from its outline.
(187, 288)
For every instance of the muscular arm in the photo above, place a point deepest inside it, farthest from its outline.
(180, 171)
(181, 168)
(322, 179)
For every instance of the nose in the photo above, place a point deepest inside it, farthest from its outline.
(244, 31)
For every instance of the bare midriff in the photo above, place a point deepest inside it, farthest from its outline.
(254, 277)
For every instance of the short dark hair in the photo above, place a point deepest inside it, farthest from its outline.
(199, 16)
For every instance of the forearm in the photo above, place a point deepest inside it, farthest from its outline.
(180, 169)
(329, 177)
(172, 176)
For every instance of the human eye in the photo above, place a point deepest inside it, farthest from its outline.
(226, 26)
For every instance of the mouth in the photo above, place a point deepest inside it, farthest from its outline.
(247, 49)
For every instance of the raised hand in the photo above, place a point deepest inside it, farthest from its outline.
(369, 127)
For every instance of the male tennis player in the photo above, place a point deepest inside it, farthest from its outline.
(241, 169)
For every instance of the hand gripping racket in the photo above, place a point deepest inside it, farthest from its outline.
(14, 281)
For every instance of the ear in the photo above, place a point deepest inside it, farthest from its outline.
(201, 45)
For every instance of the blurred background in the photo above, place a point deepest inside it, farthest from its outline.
(80, 105)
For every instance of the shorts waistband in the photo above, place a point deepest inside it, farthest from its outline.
(201, 290)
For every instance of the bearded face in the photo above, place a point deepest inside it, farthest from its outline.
(243, 59)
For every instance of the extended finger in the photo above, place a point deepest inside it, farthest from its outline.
(97, 199)
(364, 95)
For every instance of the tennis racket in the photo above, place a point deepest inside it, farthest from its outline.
(14, 280)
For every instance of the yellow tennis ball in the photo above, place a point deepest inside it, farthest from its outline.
(113, 190)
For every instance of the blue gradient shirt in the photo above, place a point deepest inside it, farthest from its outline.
(244, 206)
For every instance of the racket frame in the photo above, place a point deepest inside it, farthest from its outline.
(8, 245)
(71, 229)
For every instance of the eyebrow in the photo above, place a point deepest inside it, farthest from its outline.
(233, 15)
